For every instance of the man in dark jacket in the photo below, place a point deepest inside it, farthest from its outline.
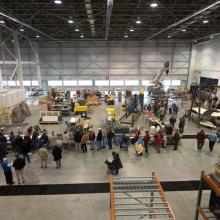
(110, 135)
(18, 142)
(201, 136)
(116, 162)
(19, 164)
(176, 138)
(3, 141)
(99, 139)
(146, 140)
(182, 124)
(57, 155)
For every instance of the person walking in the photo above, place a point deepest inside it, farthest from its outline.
(182, 124)
(84, 140)
(57, 155)
(66, 140)
(212, 140)
(6, 166)
(110, 135)
(43, 153)
(172, 120)
(201, 136)
(44, 139)
(146, 141)
(91, 138)
(176, 138)
(99, 139)
(19, 164)
(77, 138)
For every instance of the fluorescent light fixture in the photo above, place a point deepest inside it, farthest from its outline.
(21, 29)
(77, 29)
(126, 36)
(82, 36)
(184, 30)
(58, 2)
(70, 21)
(195, 41)
(2, 21)
(102, 82)
(37, 36)
(205, 21)
(131, 29)
(169, 36)
(153, 5)
(211, 36)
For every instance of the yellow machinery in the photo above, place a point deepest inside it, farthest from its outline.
(112, 110)
(79, 108)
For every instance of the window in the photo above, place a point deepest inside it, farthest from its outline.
(70, 83)
(35, 83)
(85, 82)
(55, 83)
(102, 83)
(11, 83)
(26, 83)
(131, 82)
(134, 92)
(176, 82)
(145, 82)
(167, 82)
(116, 82)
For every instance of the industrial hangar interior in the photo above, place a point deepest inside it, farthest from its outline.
(109, 109)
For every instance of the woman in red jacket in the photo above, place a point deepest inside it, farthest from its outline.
(158, 141)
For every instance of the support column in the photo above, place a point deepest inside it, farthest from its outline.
(38, 68)
(18, 59)
(1, 82)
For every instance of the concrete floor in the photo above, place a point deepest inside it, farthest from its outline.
(184, 164)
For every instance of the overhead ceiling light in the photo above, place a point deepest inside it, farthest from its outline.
(70, 21)
(82, 36)
(2, 21)
(205, 21)
(58, 2)
(77, 29)
(138, 21)
(184, 30)
(195, 41)
(126, 36)
(169, 36)
(131, 29)
(211, 36)
(21, 29)
(153, 5)
(37, 36)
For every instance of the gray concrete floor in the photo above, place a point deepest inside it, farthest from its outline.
(184, 164)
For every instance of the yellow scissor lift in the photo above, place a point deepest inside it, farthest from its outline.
(138, 198)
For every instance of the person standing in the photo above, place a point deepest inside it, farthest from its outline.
(176, 138)
(19, 164)
(201, 136)
(43, 153)
(91, 138)
(35, 140)
(99, 139)
(12, 140)
(53, 140)
(28, 141)
(182, 124)
(212, 140)
(146, 141)
(84, 140)
(25, 150)
(66, 140)
(6, 166)
(126, 141)
(3, 140)
(117, 164)
(162, 113)
(44, 139)
(57, 155)
(157, 142)
(77, 138)
(110, 135)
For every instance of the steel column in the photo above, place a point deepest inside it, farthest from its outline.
(18, 58)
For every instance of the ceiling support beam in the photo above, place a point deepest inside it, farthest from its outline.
(212, 6)
(11, 18)
(108, 17)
